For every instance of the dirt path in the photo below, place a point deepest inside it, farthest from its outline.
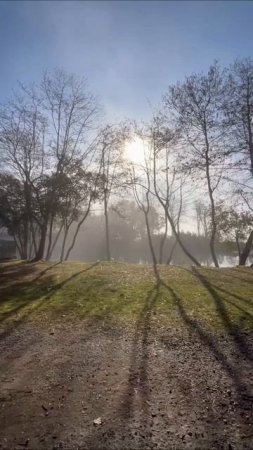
(151, 390)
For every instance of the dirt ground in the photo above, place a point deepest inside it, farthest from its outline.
(151, 389)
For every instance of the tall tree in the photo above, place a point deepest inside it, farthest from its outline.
(196, 106)
(113, 172)
(22, 131)
(166, 181)
(143, 200)
(45, 131)
(157, 180)
(238, 109)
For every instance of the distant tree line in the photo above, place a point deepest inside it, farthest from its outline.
(60, 160)
(129, 241)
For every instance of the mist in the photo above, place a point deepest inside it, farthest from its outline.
(126, 224)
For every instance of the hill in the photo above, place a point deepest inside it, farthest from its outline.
(220, 298)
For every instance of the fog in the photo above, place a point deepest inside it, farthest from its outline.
(129, 242)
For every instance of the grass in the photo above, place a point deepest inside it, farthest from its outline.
(218, 298)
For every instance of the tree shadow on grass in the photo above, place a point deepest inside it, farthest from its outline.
(132, 416)
(208, 339)
(138, 369)
(31, 297)
(248, 271)
(218, 288)
(232, 369)
(14, 324)
(11, 265)
(137, 403)
(47, 269)
(232, 294)
(56, 287)
(232, 328)
(19, 273)
(234, 273)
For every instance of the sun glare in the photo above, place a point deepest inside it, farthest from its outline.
(135, 151)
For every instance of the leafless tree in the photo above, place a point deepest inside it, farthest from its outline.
(175, 205)
(238, 109)
(159, 181)
(113, 171)
(196, 106)
(45, 131)
(161, 141)
(142, 194)
(71, 113)
(22, 131)
(176, 220)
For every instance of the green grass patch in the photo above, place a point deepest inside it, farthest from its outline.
(219, 298)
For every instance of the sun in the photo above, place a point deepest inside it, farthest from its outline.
(135, 151)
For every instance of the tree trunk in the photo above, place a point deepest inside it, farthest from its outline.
(64, 243)
(249, 123)
(107, 235)
(246, 251)
(176, 234)
(163, 241)
(26, 240)
(171, 252)
(40, 253)
(152, 251)
(215, 260)
(34, 238)
(210, 192)
(17, 244)
(178, 238)
(238, 246)
(55, 242)
(77, 230)
(173, 228)
(27, 219)
(50, 237)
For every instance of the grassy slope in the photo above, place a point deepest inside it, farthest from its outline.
(217, 298)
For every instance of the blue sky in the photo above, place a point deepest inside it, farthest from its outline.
(130, 51)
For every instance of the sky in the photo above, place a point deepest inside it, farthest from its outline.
(130, 51)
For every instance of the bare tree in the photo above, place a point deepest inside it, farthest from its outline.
(165, 185)
(71, 113)
(89, 192)
(196, 106)
(175, 205)
(22, 130)
(176, 220)
(113, 171)
(158, 178)
(142, 193)
(45, 136)
(238, 109)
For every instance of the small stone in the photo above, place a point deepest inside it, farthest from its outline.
(97, 421)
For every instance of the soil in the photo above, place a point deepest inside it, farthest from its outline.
(149, 389)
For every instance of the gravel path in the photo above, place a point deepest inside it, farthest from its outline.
(149, 389)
